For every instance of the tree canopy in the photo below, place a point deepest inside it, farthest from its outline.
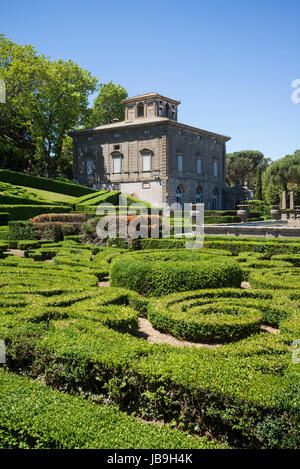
(107, 105)
(242, 167)
(45, 99)
(282, 175)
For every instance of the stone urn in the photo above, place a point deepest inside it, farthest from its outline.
(275, 212)
(243, 212)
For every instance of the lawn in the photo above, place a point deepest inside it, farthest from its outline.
(52, 196)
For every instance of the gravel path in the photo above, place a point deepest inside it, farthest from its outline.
(15, 252)
(146, 331)
(104, 283)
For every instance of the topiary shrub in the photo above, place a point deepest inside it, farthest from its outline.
(160, 278)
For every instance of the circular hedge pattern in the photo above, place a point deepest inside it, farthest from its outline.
(158, 278)
(285, 278)
(216, 315)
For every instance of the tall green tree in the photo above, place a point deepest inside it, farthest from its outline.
(107, 105)
(45, 100)
(281, 175)
(61, 104)
(19, 68)
(242, 166)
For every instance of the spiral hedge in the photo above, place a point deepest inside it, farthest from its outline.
(284, 278)
(158, 278)
(216, 314)
(60, 327)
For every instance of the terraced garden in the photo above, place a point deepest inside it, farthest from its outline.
(80, 372)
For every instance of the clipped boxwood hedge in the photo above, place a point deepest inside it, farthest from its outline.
(56, 420)
(160, 278)
(24, 212)
(285, 278)
(210, 322)
(50, 185)
(217, 314)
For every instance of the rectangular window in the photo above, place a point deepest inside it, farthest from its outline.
(147, 162)
(160, 111)
(215, 168)
(89, 167)
(179, 163)
(199, 166)
(117, 164)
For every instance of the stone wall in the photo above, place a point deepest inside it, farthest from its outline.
(164, 141)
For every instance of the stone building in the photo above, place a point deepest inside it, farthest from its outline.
(152, 156)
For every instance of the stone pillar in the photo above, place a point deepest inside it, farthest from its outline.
(283, 201)
(292, 204)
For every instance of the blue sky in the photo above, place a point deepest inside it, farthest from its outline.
(230, 62)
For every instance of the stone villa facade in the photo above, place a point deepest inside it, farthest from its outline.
(152, 156)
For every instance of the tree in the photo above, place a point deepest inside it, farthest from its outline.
(19, 68)
(61, 104)
(258, 184)
(45, 100)
(242, 166)
(107, 105)
(281, 175)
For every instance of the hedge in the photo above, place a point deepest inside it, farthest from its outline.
(217, 315)
(16, 200)
(269, 248)
(21, 230)
(3, 218)
(204, 323)
(37, 182)
(214, 220)
(24, 212)
(291, 258)
(285, 278)
(244, 392)
(240, 389)
(84, 198)
(4, 233)
(160, 278)
(59, 421)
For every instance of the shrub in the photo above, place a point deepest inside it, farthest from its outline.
(269, 248)
(16, 200)
(160, 278)
(24, 212)
(291, 258)
(21, 230)
(51, 185)
(285, 278)
(59, 421)
(221, 322)
(4, 218)
(217, 315)
(60, 217)
(214, 220)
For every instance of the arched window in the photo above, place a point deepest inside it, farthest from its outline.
(215, 199)
(179, 196)
(199, 195)
(140, 110)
